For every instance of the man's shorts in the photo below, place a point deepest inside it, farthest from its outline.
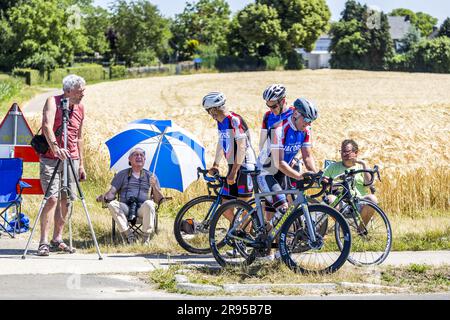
(271, 183)
(47, 167)
(243, 188)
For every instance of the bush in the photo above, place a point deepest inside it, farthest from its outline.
(431, 56)
(399, 62)
(92, 72)
(273, 63)
(30, 76)
(233, 63)
(294, 61)
(9, 88)
(117, 72)
(57, 75)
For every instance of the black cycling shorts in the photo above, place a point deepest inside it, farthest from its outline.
(243, 188)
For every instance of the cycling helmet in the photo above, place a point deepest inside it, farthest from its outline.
(214, 100)
(306, 108)
(275, 92)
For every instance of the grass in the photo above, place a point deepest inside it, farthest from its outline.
(418, 278)
(411, 278)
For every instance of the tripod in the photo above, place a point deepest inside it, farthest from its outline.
(64, 188)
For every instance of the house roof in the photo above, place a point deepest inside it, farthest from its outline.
(399, 27)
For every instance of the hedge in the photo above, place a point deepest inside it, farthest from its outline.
(30, 76)
(117, 71)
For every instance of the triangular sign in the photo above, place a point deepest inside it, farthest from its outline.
(14, 129)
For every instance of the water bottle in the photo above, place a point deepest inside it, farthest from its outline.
(277, 217)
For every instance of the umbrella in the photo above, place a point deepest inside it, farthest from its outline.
(172, 153)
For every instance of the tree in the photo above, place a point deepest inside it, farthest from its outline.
(36, 34)
(361, 39)
(206, 21)
(97, 21)
(6, 4)
(141, 32)
(303, 21)
(444, 30)
(256, 31)
(410, 39)
(277, 27)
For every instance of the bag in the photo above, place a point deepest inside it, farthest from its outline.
(24, 224)
(39, 143)
(189, 226)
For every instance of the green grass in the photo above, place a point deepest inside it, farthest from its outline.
(429, 240)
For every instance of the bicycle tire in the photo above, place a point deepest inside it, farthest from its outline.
(372, 248)
(221, 243)
(185, 240)
(294, 246)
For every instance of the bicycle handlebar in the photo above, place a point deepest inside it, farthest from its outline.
(310, 179)
(214, 182)
(353, 172)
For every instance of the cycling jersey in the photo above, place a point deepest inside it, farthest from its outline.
(233, 128)
(284, 136)
(271, 118)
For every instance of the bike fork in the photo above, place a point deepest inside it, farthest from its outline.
(309, 223)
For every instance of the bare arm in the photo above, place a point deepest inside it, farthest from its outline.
(240, 156)
(308, 159)
(283, 166)
(109, 195)
(48, 121)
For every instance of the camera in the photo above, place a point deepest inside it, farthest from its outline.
(133, 206)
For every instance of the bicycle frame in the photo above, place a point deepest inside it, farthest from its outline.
(299, 202)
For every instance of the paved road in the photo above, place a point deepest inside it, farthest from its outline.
(123, 276)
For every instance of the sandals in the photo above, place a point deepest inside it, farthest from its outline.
(43, 250)
(57, 246)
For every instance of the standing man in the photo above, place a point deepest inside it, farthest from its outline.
(58, 206)
(233, 144)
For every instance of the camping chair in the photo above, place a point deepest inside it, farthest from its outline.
(11, 170)
(137, 227)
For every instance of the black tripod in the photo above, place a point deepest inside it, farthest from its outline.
(65, 187)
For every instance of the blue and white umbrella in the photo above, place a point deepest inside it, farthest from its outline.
(172, 153)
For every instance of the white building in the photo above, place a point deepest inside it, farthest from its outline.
(320, 56)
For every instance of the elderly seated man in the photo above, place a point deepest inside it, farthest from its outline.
(137, 188)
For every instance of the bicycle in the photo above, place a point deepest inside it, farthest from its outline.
(196, 240)
(306, 231)
(371, 241)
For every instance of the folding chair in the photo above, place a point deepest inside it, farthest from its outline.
(11, 170)
(137, 227)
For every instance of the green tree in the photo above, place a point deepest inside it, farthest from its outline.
(96, 21)
(302, 20)
(37, 34)
(6, 4)
(142, 33)
(205, 21)
(410, 39)
(256, 31)
(444, 30)
(277, 27)
(361, 39)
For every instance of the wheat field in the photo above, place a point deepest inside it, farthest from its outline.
(401, 122)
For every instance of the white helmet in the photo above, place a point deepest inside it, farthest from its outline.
(275, 92)
(214, 100)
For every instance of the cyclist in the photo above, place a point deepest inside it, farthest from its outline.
(285, 140)
(234, 144)
(349, 156)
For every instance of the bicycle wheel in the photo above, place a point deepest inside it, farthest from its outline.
(323, 256)
(196, 240)
(230, 248)
(371, 243)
